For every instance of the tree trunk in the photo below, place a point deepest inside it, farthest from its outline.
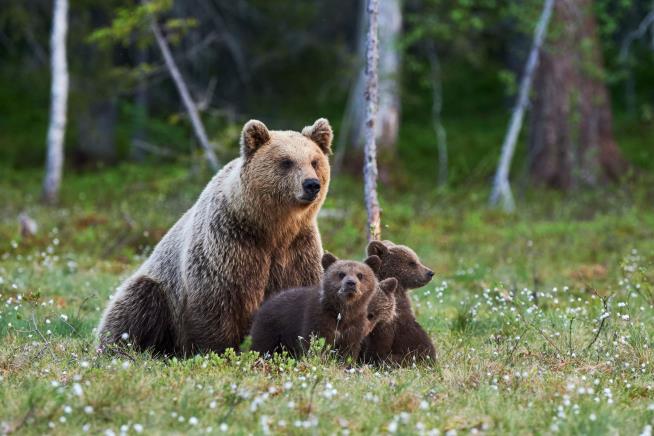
(96, 127)
(571, 140)
(436, 111)
(370, 148)
(501, 186)
(191, 108)
(388, 115)
(58, 100)
(352, 122)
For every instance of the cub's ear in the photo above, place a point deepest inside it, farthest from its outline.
(377, 248)
(254, 135)
(374, 262)
(321, 133)
(327, 260)
(389, 285)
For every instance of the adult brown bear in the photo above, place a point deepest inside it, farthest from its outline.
(252, 233)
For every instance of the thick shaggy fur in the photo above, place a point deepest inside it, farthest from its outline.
(403, 339)
(336, 310)
(252, 233)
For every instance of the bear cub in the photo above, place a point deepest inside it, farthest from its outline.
(381, 309)
(402, 339)
(336, 310)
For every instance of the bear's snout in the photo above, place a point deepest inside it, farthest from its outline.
(311, 187)
(348, 286)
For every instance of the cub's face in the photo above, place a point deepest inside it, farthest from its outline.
(381, 308)
(401, 262)
(348, 281)
(285, 167)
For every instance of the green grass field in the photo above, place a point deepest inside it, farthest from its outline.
(542, 320)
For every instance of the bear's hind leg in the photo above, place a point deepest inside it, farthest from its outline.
(143, 314)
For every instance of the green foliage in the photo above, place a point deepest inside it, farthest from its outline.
(128, 20)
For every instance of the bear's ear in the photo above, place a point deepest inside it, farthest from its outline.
(327, 260)
(374, 262)
(377, 248)
(254, 135)
(321, 133)
(389, 285)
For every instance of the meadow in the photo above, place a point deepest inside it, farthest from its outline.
(542, 319)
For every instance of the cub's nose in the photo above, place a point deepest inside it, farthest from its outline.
(430, 273)
(350, 283)
(311, 188)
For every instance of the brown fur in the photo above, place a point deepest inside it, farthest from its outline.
(382, 306)
(336, 310)
(402, 340)
(252, 233)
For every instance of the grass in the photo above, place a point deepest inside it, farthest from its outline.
(542, 320)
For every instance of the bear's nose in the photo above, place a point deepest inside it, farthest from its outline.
(311, 187)
(350, 283)
(430, 273)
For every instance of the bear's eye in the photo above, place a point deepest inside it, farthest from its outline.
(413, 264)
(314, 164)
(360, 276)
(371, 316)
(341, 275)
(286, 164)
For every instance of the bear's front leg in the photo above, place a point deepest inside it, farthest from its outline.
(348, 343)
(221, 301)
(299, 265)
(378, 345)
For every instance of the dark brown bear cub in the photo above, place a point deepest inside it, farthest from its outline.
(381, 309)
(335, 310)
(402, 340)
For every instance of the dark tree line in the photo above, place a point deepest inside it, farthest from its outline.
(282, 60)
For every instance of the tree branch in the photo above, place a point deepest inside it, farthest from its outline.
(191, 108)
(501, 185)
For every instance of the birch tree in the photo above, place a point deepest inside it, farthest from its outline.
(58, 101)
(501, 186)
(184, 93)
(370, 147)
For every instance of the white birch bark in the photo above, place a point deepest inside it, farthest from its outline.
(501, 186)
(58, 102)
(184, 93)
(370, 147)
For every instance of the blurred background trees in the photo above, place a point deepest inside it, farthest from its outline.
(448, 73)
(571, 138)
